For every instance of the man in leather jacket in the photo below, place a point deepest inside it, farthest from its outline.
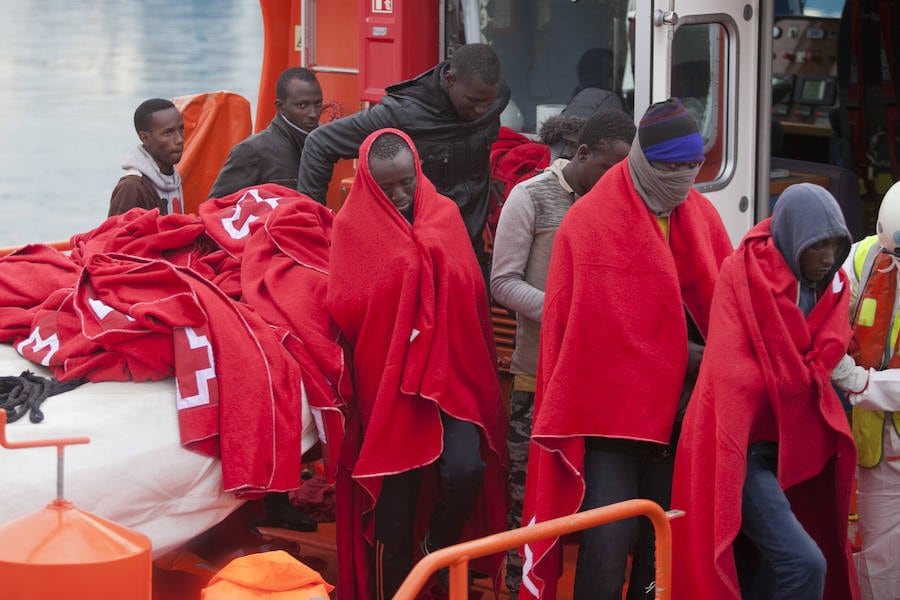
(273, 154)
(451, 112)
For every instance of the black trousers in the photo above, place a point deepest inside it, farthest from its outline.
(460, 471)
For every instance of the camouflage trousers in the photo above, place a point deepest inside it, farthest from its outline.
(521, 408)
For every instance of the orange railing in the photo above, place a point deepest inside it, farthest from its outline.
(457, 557)
(61, 245)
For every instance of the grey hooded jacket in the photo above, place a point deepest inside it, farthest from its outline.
(805, 214)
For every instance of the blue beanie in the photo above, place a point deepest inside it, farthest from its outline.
(668, 133)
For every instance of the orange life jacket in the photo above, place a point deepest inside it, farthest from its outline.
(872, 321)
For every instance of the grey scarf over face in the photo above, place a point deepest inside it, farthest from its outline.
(662, 191)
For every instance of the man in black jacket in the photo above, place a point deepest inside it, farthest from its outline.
(273, 154)
(451, 112)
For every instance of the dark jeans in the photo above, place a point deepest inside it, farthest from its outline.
(460, 471)
(610, 477)
(776, 558)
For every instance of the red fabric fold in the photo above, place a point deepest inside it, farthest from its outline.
(28, 277)
(231, 221)
(284, 276)
(613, 339)
(140, 232)
(411, 302)
(765, 364)
(514, 158)
(238, 389)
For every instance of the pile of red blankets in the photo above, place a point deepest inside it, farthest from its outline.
(230, 303)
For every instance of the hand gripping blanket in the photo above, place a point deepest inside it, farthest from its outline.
(411, 303)
(614, 340)
(763, 357)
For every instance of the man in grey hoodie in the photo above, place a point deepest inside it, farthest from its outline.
(764, 428)
(150, 179)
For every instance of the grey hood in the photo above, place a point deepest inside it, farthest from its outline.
(138, 161)
(804, 215)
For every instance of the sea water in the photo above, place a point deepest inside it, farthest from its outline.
(71, 74)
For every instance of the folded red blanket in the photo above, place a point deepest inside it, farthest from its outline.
(28, 277)
(238, 389)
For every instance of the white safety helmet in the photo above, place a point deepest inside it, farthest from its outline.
(888, 226)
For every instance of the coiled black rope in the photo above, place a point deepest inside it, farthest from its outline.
(24, 394)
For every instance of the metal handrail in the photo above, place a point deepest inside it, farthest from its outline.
(457, 557)
(61, 245)
(60, 444)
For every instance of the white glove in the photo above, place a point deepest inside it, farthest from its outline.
(849, 376)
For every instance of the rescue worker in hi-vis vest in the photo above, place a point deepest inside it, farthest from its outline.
(871, 377)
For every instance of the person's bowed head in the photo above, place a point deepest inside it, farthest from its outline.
(393, 167)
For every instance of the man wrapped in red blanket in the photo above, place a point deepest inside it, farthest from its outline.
(424, 453)
(626, 306)
(765, 462)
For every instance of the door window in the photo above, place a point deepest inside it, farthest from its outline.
(699, 78)
(550, 50)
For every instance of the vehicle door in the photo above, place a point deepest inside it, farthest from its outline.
(707, 53)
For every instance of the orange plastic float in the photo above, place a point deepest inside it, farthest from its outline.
(62, 552)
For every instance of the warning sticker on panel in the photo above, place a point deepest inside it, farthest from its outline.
(383, 6)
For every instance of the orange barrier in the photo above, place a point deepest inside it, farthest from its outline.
(457, 557)
(213, 124)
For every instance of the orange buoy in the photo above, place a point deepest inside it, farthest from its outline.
(62, 552)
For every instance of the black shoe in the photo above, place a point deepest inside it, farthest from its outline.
(281, 513)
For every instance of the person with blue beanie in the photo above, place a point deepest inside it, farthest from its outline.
(625, 315)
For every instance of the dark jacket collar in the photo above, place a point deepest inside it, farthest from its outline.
(280, 125)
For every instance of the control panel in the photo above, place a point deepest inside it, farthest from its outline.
(804, 73)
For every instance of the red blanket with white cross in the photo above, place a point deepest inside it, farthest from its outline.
(141, 299)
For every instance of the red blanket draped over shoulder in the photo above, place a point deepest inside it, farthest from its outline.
(613, 340)
(411, 302)
(764, 357)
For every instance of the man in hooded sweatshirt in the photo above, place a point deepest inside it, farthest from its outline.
(151, 180)
(765, 462)
(451, 112)
(626, 309)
